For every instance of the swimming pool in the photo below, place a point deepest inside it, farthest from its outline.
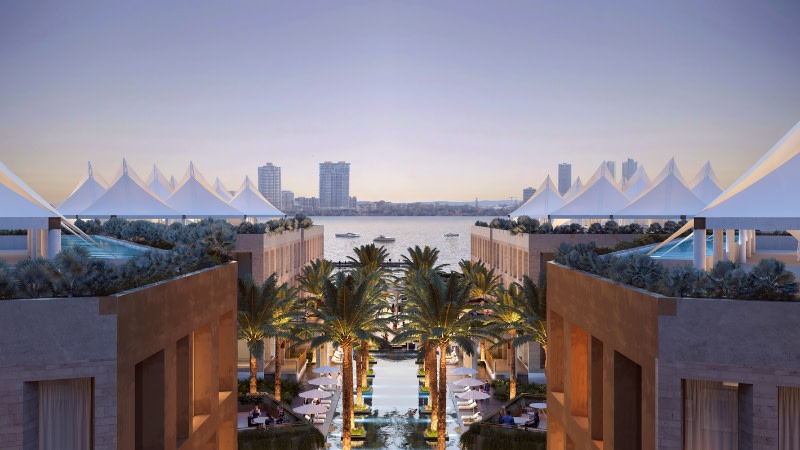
(683, 249)
(104, 247)
(395, 392)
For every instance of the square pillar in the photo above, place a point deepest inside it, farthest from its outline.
(699, 243)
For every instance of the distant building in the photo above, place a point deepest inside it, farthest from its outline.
(334, 184)
(527, 193)
(611, 166)
(269, 183)
(306, 203)
(628, 169)
(287, 200)
(564, 177)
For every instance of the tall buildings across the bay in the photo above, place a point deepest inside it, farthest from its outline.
(611, 167)
(269, 183)
(527, 193)
(628, 169)
(564, 177)
(334, 184)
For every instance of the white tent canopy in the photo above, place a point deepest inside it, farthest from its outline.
(221, 190)
(637, 183)
(764, 197)
(129, 198)
(705, 185)
(668, 197)
(21, 207)
(600, 198)
(159, 184)
(250, 202)
(91, 188)
(195, 198)
(573, 190)
(542, 203)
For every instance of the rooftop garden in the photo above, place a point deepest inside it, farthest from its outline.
(769, 280)
(181, 249)
(525, 224)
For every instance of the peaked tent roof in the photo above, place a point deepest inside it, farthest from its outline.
(637, 183)
(159, 184)
(542, 203)
(667, 197)
(87, 192)
(600, 198)
(573, 190)
(764, 197)
(222, 191)
(705, 185)
(129, 198)
(252, 203)
(195, 198)
(21, 206)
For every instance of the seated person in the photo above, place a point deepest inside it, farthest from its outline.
(508, 420)
(270, 420)
(533, 422)
(281, 416)
(253, 414)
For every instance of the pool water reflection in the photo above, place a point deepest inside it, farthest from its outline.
(395, 390)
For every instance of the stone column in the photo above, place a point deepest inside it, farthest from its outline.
(699, 243)
(730, 238)
(53, 237)
(718, 252)
(751, 242)
(743, 243)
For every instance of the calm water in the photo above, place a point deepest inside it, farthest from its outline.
(408, 231)
(395, 392)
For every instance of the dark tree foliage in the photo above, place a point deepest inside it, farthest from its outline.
(525, 224)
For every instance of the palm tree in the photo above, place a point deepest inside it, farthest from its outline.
(444, 309)
(346, 313)
(312, 279)
(483, 284)
(34, 278)
(265, 311)
(368, 265)
(505, 319)
(532, 303)
(73, 271)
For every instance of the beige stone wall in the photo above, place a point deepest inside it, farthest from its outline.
(176, 349)
(284, 253)
(607, 342)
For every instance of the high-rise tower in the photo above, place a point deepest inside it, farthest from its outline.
(628, 169)
(334, 184)
(564, 177)
(527, 193)
(269, 183)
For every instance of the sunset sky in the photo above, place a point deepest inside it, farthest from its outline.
(427, 100)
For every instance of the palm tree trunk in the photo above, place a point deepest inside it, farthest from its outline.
(433, 388)
(252, 372)
(442, 395)
(359, 371)
(512, 385)
(347, 394)
(278, 364)
(365, 356)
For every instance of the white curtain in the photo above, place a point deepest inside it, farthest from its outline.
(788, 418)
(710, 416)
(65, 414)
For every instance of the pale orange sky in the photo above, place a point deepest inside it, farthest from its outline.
(426, 100)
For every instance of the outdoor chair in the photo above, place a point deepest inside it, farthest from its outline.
(469, 405)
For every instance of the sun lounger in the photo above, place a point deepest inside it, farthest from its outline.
(469, 405)
(471, 418)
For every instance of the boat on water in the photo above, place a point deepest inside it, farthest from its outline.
(348, 235)
(451, 235)
(383, 238)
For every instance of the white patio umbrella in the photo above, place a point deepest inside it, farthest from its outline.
(538, 405)
(311, 409)
(315, 393)
(322, 381)
(464, 371)
(473, 395)
(468, 382)
(326, 369)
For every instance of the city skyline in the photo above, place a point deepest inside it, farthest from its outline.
(426, 101)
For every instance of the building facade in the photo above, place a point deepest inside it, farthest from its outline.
(269, 184)
(629, 369)
(564, 177)
(527, 193)
(628, 169)
(334, 184)
(287, 201)
(148, 368)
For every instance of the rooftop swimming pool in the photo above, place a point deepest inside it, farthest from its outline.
(103, 247)
(395, 392)
(682, 249)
